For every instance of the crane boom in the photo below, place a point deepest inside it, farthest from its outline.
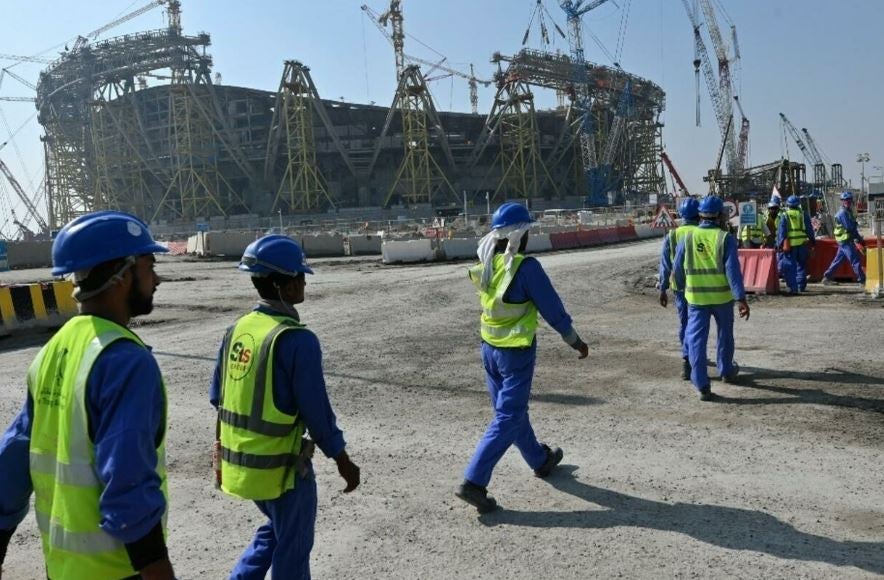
(796, 136)
(29, 205)
(672, 170)
(724, 79)
(135, 13)
(811, 145)
(37, 59)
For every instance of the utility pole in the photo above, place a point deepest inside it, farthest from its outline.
(862, 159)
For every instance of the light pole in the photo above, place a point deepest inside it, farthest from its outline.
(862, 159)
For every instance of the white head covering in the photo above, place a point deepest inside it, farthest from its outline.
(487, 244)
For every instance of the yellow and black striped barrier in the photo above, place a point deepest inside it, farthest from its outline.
(29, 305)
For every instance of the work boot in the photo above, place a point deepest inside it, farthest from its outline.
(732, 376)
(553, 458)
(477, 496)
(686, 369)
(828, 281)
(706, 394)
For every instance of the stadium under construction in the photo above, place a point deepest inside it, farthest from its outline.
(137, 123)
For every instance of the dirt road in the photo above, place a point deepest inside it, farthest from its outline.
(780, 477)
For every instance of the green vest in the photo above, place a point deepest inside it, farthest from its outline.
(259, 443)
(841, 234)
(504, 325)
(62, 465)
(795, 228)
(706, 280)
(676, 236)
(753, 233)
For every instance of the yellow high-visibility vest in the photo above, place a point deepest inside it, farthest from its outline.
(504, 325)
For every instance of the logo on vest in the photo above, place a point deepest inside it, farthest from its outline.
(701, 247)
(241, 355)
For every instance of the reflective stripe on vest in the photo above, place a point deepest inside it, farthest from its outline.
(795, 227)
(502, 324)
(841, 234)
(259, 443)
(705, 276)
(67, 488)
(676, 236)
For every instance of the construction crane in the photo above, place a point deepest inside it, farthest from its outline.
(19, 78)
(682, 188)
(719, 90)
(37, 59)
(811, 145)
(381, 22)
(743, 140)
(81, 40)
(796, 136)
(583, 97)
(29, 205)
(725, 86)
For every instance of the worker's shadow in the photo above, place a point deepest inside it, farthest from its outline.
(727, 527)
(749, 378)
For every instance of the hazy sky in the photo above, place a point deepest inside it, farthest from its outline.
(818, 61)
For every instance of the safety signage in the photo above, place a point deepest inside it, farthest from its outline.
(4, 257)
(748, 213)
(731, 209)
(663, 219)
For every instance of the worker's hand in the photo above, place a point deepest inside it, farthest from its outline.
(664, 299)
(744, 309)
(159, 570)
(348, 470)
(583, 349)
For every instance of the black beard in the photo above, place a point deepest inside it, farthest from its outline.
(138, 305)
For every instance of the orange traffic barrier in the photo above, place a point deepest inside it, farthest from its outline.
(564, 240)
(759, 268)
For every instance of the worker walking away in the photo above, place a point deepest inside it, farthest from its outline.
(269, 389)
(512, 289)
(689, 211)
(771, 223)
(846, 233)
(707, 267)
(90, 440)
(794, 235)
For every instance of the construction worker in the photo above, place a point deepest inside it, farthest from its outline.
(512, 289)
(752, 236)
(706, 266)
(794, 233)
(90, 440)
(689, 211)
(846, 232)
(269, 388)
(771, 222)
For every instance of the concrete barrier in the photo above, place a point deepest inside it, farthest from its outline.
(29, 255)
(564, 240)
(458, 248)
(32, 305)
(408, 251)
(538, 243)
(323, 245)
(364, 245)
(644, 232)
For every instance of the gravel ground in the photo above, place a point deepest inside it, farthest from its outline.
(780, 477)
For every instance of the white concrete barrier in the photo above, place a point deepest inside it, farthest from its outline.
(538, 243)
(226, 243)
(196, 245)
(458, 248)
(29, 254)
(323, 245)
(364, 245)
(644, 232)
(408, 251)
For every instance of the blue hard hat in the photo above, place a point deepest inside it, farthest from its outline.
(275, 253)
(711, 206)
(793, 201)
(99, 237)
(689, 208)
(846, 196)
(510, 214)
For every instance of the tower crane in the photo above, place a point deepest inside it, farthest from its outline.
(29, 205)
(473, 82)
(574, 10)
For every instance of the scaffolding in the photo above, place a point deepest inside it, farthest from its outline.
(302, 186)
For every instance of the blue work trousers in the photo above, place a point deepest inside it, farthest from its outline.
(508, 372)
(681, 308)
(847, 252)
(794, 267)
(697, 335)
(285, 541)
